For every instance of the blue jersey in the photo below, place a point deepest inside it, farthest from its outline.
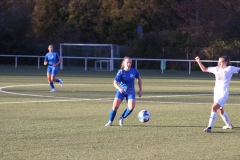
(126, 79)
(52, 58)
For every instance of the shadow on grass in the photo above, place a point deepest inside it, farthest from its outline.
(161, 126)
(147, 125)
(151, 126)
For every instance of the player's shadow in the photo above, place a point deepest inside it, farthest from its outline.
(214, 130)
(162, 126)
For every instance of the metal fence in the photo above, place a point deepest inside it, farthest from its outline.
(103, 63)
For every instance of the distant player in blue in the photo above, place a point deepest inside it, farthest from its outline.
(52, 59)
(124, 82)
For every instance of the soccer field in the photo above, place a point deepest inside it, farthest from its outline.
(69, 124)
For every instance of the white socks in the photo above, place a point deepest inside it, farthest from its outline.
(225, 118)
(212, 119)
(214, 116)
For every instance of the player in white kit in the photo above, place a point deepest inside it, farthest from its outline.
(223, 74)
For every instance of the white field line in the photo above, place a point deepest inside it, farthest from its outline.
(195, 103)
(180, 95)
(66, 99)
(62, 100)
(32, 95)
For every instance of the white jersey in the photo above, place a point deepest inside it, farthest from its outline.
(223, 77)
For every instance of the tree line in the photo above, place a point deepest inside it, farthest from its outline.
(147, 28)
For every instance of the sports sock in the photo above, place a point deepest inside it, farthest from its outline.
(126, 113)
(57, 80)
(225, 118)
(212, 119)
(51, 85)
(112, 115)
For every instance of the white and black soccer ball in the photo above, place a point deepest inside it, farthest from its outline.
(144, 116)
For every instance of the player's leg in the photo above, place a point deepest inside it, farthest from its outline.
(53, 75)
(213, 116)
(116, 103)
(49, 77)
(129, 109)
(51, 83)
(54, 72)
(225, 119)
(113, 111)
(222, 100)
(127, 112)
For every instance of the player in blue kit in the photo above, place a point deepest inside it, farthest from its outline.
(124, 82)
(52, 59)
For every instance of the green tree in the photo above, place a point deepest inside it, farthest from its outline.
(49, 18)
(83, 18)
(120, 19)
(15, 25)
(210, 24)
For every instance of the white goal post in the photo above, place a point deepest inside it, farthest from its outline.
(108, 57)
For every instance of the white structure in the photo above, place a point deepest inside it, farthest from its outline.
(17, 58)
(91, 51)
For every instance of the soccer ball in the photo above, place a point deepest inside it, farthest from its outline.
(144, 116)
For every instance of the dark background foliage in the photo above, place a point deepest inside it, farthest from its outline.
(170, 28)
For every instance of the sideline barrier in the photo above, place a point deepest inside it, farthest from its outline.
(100, 67)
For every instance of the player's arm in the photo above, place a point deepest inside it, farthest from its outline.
(45, 61)
(140, 87)
(59, 61)
(203, 68)
(115, 84)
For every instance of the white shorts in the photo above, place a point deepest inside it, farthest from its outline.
(221, 99)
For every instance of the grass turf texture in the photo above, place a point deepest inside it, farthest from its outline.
(69, 124)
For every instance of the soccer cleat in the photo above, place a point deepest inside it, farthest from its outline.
(230, 126)
(208, 129)
(61, 82)
(53, 90)
(121, 121)
(108, 124)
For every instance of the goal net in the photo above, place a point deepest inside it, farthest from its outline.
(89, 56)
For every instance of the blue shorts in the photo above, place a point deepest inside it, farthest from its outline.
(52, 70)
(127, 95)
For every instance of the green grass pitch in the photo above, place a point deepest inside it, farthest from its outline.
(69, 124)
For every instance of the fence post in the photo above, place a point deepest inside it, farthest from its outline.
(163, 65)
(85, 64)
(136, 64)
(189, 66)
(38, 62)
(15, 61)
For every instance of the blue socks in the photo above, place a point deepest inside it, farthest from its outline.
(51, 85)
(112, 115)
(126, 113)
